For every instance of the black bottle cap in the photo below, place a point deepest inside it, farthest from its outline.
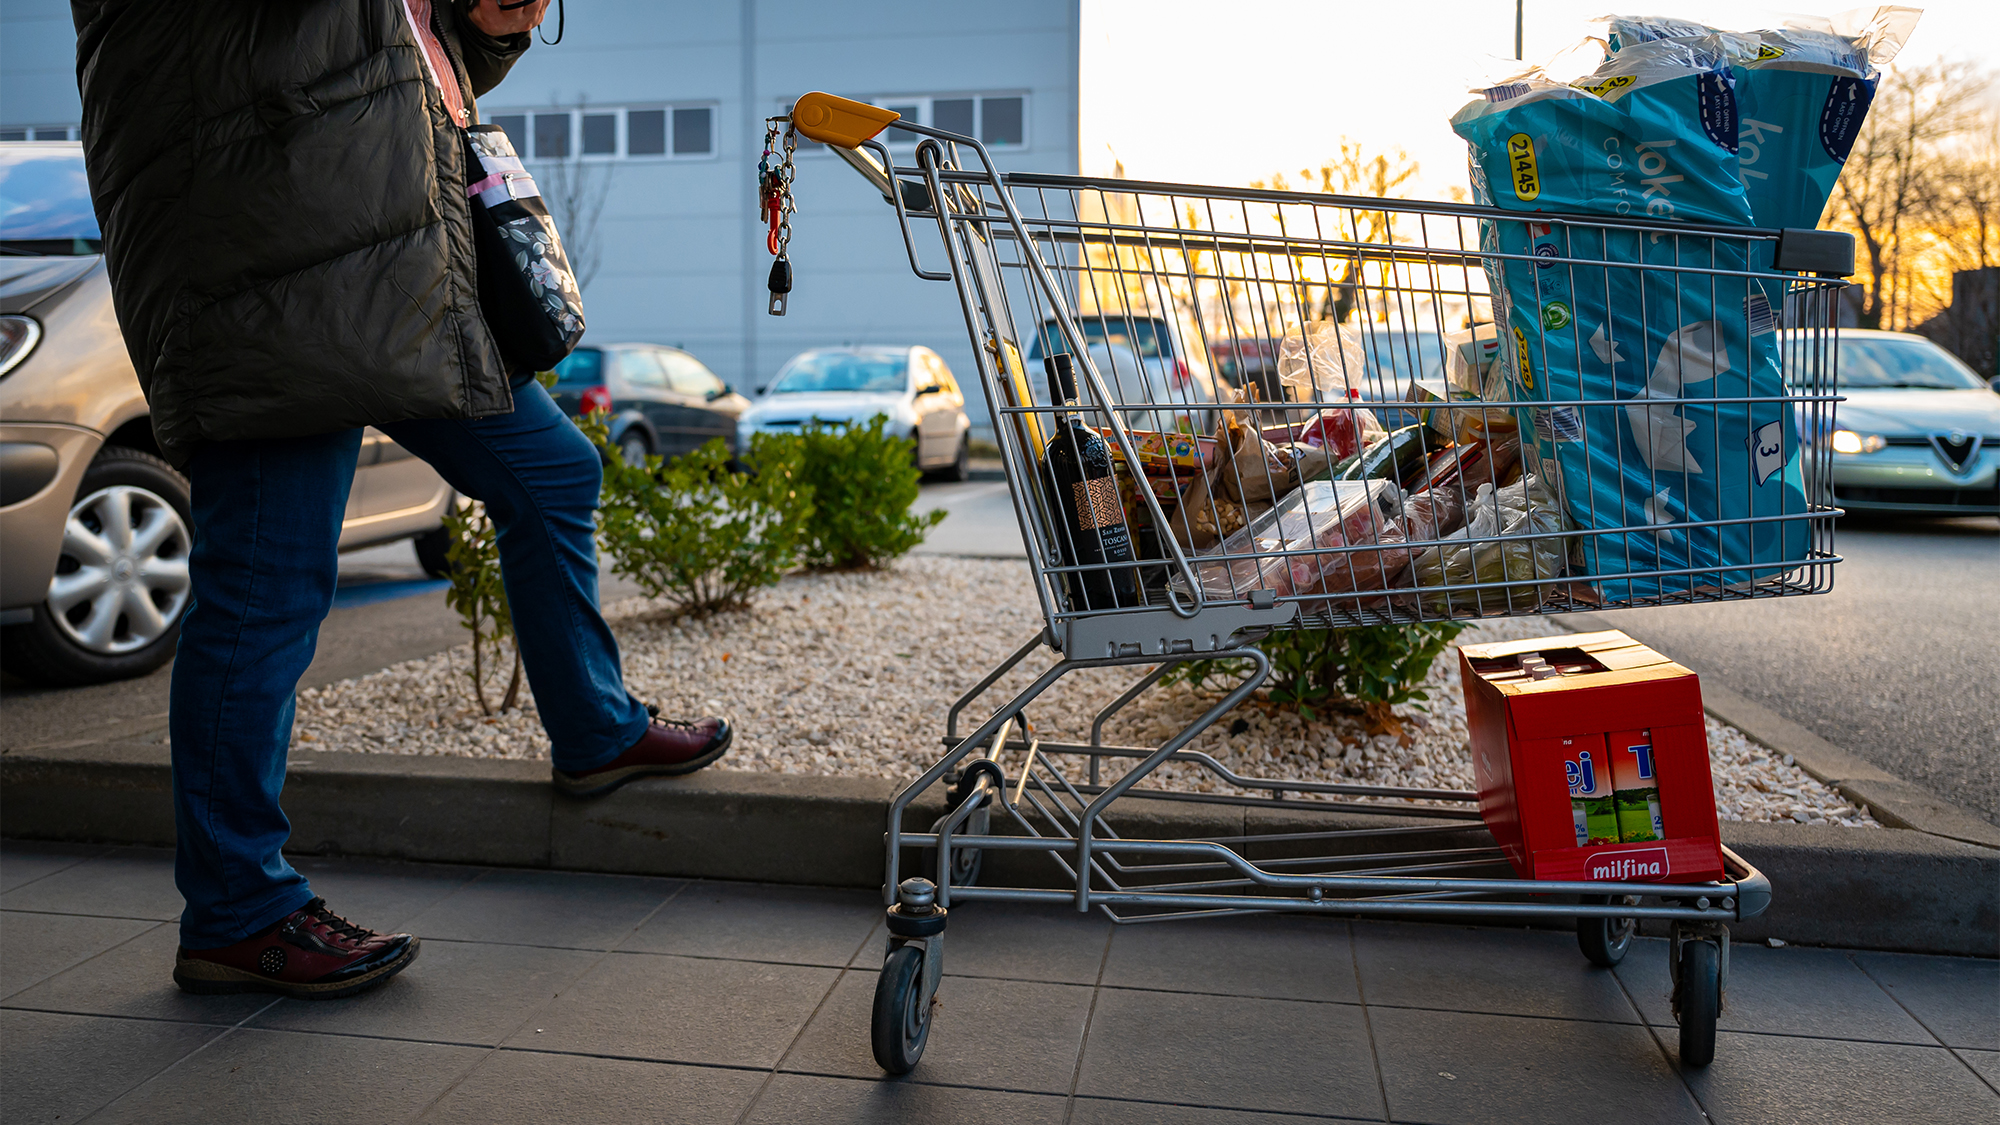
(1062, 377)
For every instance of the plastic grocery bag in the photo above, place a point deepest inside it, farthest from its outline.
(1322, 362)
(1521, 508)
(1651, 134)
(1301, 547)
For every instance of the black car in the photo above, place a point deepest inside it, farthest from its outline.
(660, 400)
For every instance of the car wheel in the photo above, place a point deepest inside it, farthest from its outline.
(121, 584)
(434, 552)
(633, 446)
(961, 466)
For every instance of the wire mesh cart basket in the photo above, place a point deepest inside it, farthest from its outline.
(1644, 422)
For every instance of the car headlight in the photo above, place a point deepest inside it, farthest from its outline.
(18, 335)
(1847, 441)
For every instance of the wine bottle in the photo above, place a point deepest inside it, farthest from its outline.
(1078, 463)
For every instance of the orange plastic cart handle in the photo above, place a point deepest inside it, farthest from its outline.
(833, 120)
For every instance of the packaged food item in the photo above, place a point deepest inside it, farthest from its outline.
(1593, 807)
(1255, 468)
(1466, 467)
(1202, 514)
(1433, 514)
(1473, 373)
(1327, 538)
(1401, 456)
(1635, 786)
(1322, 362)
(1470, 555)
(1161, 451)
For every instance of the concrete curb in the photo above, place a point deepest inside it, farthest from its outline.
(1895, 802)
(1909, 891)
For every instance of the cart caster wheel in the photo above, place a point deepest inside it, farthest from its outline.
(1604, 940)
(902, 1016)
(1697, 1001)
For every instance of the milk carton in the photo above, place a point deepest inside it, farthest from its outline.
(1591, 798)
(1635, 786)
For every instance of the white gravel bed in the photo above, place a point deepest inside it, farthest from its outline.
(851, 674)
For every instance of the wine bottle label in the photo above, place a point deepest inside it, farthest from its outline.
(1097, 503)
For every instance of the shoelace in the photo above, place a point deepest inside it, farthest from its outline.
(653, 711)
(341, 927)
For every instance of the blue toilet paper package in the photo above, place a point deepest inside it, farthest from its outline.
(1612, 348)
(1802, 93)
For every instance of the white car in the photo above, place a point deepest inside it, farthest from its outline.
(1142, 366)
(910, 386)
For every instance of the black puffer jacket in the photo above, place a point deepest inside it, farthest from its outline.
(282, 196)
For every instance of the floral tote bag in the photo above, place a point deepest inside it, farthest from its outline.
(526, 289)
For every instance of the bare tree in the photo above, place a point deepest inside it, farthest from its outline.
(1352, 171)
(575, 190)
(1893, 179)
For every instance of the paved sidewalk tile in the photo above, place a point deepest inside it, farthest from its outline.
(1015, 942)
(1790, 991)
(1451, 1067)
(23, 861)
(59, 1068)
(1105, 1111)
(1231, 1052)
(122, 883)
(554, 908)
(527, 1086)
(1957, 998)
(380, 894)
(455, 992)
(795, 1098)
(753, 922)
(284, 1076)
(1502, 972)
(680, 1009)
(35, 947)
(136, 979)
(1986, 1064)
(1007, 1034)
(1282, 958)
(1779, 1080)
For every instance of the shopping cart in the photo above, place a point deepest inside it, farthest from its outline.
(1132, 282)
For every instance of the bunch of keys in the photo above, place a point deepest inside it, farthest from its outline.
(774, 203)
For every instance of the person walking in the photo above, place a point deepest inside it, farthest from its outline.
(282, 190)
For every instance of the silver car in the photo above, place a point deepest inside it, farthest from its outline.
(94, 531)
(1919, 432)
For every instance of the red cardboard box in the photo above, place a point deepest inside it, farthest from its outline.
(1609, 697)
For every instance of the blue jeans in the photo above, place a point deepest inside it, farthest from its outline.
(267, 518)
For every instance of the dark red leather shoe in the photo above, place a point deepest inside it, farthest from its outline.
(669, 747)
(312, 954)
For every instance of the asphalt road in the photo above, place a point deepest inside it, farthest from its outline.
(1899, 664)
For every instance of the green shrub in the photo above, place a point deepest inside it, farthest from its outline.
(863, 482)
(1360, 671)
(481, 600)
(694, 532)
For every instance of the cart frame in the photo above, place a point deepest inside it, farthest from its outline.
(1006, 791)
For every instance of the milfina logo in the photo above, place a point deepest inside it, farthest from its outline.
(1618, 867)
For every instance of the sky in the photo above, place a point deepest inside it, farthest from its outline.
(1201, 91)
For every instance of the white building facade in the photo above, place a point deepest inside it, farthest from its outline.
(651, 114)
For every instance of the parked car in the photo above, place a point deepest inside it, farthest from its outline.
(1919, 432)
(94, 526)
(1141, 363)
(911, 386)
(661, 400)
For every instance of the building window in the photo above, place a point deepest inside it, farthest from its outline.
(679, 132)
(998, 120)
(38, 133)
